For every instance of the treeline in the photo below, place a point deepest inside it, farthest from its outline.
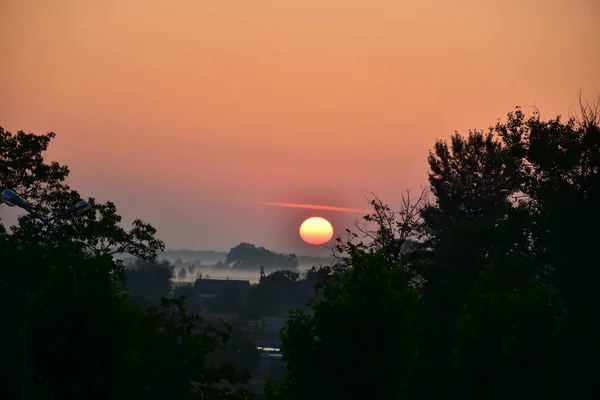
(249, 256)
(212, 257)
(279, 291)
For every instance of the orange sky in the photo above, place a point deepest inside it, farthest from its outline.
(176, 109)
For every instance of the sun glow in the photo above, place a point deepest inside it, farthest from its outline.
(316, 231)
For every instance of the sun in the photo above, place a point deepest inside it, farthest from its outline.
(316, 230)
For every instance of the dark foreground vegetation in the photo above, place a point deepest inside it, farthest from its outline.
(494, 299)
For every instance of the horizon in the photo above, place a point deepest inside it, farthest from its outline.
(226, 251)
(186, 117)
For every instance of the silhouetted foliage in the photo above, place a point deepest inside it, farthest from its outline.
(241, 350)
(279, 292)
(92, 343)
(248, 256)
(359, 342)
(150, 280)
(494, 299)
(174, 361)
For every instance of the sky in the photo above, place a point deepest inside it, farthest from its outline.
(187, 113)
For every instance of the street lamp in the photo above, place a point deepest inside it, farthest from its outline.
(11, 199)
(77, 209)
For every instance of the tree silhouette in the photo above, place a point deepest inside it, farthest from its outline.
(93, 344)
(246, 255)
(495, 297)
(150, 279)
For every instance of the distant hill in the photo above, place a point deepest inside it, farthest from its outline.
(211, 257)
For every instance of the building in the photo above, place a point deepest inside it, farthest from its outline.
(214, 287)
(208, 290)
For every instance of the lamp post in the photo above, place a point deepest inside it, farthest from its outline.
(11, 199)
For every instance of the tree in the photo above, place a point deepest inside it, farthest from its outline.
(240, 350)
(473, 221)
(277, 293)
(22, 168)
(77, 341)
(90, 343)
(494, 297)
(559, 171)
(246, 255)
(32, 256)
(473, 181)
(283, 277)
(511, 343)
(359, 341)
(172, 362)
(150, 279)
(383, 230)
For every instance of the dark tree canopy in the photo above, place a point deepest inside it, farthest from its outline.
(359, 342)
(249, 256)
(150, 279)
(279, 292)
(42, 185)
(495, 299)
(22, 168)
(93, 343)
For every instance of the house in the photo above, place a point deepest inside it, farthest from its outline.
(208, 290)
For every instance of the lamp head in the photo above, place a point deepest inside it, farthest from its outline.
(5, 197)
(12, 199)
(78, 208)
(81, 207)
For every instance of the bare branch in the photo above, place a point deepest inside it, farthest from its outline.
(384, 229)
(589, 113)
